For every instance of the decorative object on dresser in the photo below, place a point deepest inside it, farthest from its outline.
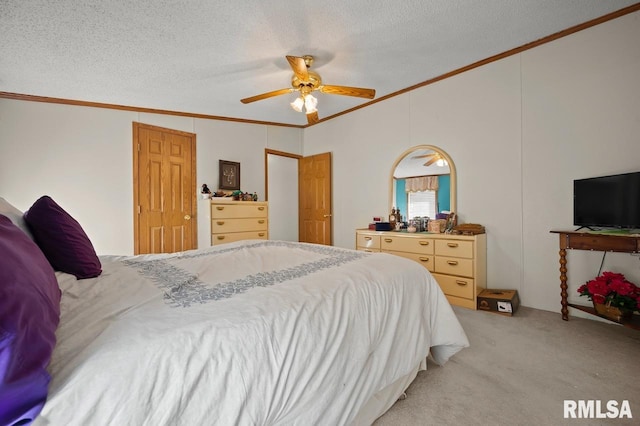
(238, 220)
(457, 262)
(229, 175)
(437, 225)
(468, 229)
(206, 192)
(393, 218)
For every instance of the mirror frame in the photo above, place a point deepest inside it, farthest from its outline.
(452, 174)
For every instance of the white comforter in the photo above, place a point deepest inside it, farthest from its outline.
(248, 333)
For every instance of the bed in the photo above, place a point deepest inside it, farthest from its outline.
(253, 332)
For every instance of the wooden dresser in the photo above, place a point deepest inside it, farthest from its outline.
(457, 262)
(238, 220)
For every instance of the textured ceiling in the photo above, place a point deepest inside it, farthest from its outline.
(203, 56)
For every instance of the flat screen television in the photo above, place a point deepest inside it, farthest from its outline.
(607, 201)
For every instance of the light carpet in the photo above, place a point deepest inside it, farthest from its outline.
(519, 371)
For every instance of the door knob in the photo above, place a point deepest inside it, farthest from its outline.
(326, 215)
(187, 217)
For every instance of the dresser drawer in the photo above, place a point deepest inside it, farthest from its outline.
(238, 210)
(222, 225)
(365, 241)
(423, 259)
(454, 266)
(456, 286)
(454, 248)
(237, 236)
(368, 250)
(407, 244)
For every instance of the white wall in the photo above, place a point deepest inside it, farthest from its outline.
(519, 131)
(83, 158)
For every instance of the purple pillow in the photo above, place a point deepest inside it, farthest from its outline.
(29, 316)
(15, 215)
(62, 239)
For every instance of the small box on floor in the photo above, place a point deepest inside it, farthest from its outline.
(504, 302)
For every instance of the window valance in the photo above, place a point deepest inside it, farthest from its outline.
(422, 183)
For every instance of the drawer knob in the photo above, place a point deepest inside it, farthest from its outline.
(219, 208)
(388, 240)
(367, 238)
(220, 222)
(424, 243)
(261, 208)
(459, 282)
(452, 262)
(261, 234)
(261, 221)
(423, 259)
(220, 237)
(452, 244)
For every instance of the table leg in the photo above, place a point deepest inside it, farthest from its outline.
(563, 284)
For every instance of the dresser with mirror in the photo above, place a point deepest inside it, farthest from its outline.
(457, 262)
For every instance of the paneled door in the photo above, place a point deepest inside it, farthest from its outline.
(315, 199)
(164, 190)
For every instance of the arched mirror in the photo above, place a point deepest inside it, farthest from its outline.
(421, 176)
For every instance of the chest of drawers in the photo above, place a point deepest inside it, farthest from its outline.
(457, 262)
(238, 220)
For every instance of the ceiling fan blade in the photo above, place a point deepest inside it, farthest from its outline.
(266, 95)
(312, 117)
(426, 155)
(299, 67)
(348, 91)
(430, 162)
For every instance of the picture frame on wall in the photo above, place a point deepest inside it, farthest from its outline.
(229, 175)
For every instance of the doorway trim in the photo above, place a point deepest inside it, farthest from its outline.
(268, 151)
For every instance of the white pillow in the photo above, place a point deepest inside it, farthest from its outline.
(15, 216)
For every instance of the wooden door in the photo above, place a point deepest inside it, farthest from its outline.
(164, 190)
(315, 199)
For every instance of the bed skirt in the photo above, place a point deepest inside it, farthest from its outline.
(385, 398)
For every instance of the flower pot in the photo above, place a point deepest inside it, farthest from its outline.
(612, 313)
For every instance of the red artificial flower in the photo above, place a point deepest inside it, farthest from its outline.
(623, 288)
(598, 287)
(614, 289)
(612, 276)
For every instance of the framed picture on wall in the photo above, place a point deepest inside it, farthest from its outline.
(229, 175)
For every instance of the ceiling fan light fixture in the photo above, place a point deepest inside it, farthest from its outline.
(441, 162)
(310, 104)
(298, 104)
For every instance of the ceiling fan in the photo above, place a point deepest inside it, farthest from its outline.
(306, 81)
(433, 157)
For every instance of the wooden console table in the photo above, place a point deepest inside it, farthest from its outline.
(574, 240)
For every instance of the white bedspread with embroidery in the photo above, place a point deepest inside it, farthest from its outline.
(247, 333)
